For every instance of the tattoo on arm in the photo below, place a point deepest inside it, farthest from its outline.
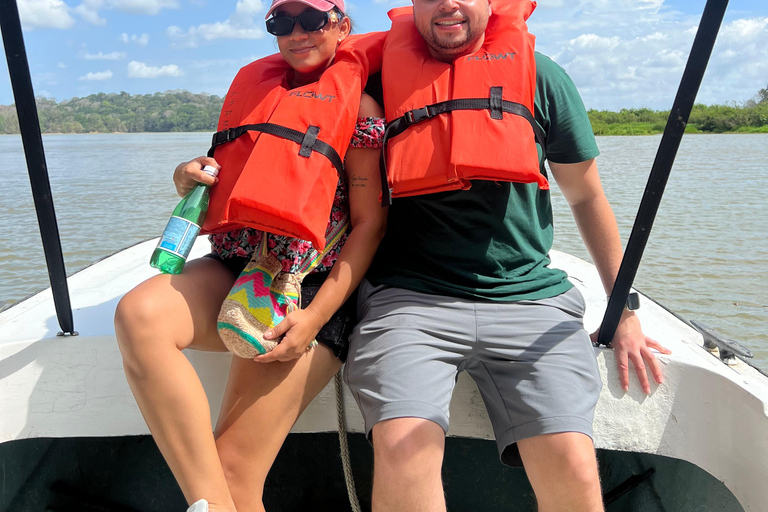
(358, 181)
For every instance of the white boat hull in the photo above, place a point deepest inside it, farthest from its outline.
(712, 415)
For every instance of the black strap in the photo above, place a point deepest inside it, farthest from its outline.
(703, 43)
(308, 141)
(29, 125)
(494, 103)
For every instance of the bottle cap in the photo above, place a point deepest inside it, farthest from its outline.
(211, 170)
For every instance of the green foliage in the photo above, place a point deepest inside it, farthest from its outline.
(752, 117)
(182, 111)
(176, 111)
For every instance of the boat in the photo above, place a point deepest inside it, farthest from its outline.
(72, 434)
(72, 437)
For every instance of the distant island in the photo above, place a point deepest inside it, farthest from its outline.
(183, 111)
(750, 117)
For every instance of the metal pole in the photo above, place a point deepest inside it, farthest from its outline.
(709, 26)
(31, 137)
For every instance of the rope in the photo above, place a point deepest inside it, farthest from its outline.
(343, 442)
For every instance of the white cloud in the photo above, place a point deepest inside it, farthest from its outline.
(244, 23)
(209, 32)
(89, 9)
(141, 40)
(97, 76)
(105, 56)
(150, 7)
(632, 53)
(249, 7)
(141, 70)
(45, 14)
(61, 65)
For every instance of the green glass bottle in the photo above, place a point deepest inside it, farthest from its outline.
(182, 229)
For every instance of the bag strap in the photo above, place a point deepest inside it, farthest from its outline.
(314, 257)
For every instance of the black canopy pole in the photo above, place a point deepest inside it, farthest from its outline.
(29, 123)
(709, 26)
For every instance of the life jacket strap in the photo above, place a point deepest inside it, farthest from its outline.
(307, 142)
(494, 103)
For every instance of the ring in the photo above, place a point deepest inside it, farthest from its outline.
(312, 345)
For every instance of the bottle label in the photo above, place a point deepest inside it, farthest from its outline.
(179, 236)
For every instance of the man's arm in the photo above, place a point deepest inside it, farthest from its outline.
(580, 184)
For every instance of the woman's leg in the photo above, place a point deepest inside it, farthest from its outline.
(261, 403)
(153, 323)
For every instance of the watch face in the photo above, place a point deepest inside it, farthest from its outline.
(633, 301)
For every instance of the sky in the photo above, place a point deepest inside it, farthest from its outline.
(620, 53)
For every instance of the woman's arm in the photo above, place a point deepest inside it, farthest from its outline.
(368, 220)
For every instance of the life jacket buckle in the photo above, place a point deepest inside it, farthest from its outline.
(416, 115)
(223, 137)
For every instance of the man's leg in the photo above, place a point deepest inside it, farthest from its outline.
(407, 463)
(403, 358)
(536, 370)
(562, 469)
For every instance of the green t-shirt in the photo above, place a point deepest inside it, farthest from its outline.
(490, 242)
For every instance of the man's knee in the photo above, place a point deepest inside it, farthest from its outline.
(568, 453)
(412, 443)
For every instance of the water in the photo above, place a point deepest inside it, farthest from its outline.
(707, 255)
(706, 259)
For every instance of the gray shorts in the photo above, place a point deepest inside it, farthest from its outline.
(532, 360)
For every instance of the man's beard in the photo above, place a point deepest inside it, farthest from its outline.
(450, 47)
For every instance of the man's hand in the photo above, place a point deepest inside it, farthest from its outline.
(630, 344)
(189, 174)
(299, 328)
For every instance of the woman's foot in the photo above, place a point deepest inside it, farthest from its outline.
(199, 506)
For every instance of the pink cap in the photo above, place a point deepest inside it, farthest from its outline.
(320, 5)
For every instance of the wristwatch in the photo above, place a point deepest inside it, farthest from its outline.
(633, 301)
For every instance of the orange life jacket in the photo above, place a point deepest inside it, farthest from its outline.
(490, 131)
(281, 150)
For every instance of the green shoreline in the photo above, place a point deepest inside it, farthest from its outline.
(182, 111)
(636, 129)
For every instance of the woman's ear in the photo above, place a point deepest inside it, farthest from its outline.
(345, 27)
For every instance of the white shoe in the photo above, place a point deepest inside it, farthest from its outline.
(199, 506)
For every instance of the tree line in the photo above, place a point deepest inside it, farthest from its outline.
(749, 117)
(183, 111)
(173, 111)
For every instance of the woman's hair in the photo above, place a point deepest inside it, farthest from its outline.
(341, 16)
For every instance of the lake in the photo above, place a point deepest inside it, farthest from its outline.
(706, 259)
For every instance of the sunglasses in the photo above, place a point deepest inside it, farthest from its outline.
(310, 21)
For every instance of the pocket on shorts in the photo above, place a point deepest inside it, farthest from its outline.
(571, 302)
(365, 291)
(582, 303)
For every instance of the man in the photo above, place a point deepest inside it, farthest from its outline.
(461, 282)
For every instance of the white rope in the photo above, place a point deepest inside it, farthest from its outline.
(343, 442)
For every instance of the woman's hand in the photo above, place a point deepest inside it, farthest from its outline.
(189, 174)
(299, 329)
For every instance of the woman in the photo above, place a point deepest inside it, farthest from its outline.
(166, 314)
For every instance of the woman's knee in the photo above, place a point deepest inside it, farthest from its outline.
(141, 322)
(244, 469)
